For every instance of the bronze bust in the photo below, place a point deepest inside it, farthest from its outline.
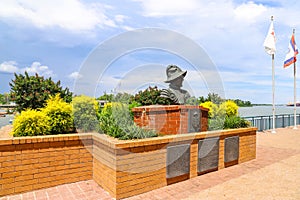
(175, 77)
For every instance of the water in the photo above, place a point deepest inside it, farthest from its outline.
(266, 110)
(6, 120)
(261, 116)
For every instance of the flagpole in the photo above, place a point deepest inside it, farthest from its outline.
(273, 90)
(295, 93)
(295, 98)
(273, 93)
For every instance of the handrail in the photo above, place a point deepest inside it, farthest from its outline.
(264, 122)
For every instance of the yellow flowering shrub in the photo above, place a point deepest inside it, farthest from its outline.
(213, 108)
(85, 110)
(30, 123)
(230, 107)
(60, 114)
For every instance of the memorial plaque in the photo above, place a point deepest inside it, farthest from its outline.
(208, 154)
(194, 120)
(178, 160)
(231, 152)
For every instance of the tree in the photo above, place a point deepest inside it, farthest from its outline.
(33, 91)
(241, 103)
(215, 98)
(123, 97)
(106, 97)
(201, 99)
(2, 99)
(193, 101)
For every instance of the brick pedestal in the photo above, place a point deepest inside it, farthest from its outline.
(168, 120)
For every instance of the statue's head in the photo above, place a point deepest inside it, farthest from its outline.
(173, 73)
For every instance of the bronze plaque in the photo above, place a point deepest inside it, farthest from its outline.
(208, 154)
(178, 160)
(231, 152)
(194, 119)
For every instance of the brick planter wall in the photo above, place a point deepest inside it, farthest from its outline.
(127, 168)
(123, 168)
(167, 120)
(30, 163)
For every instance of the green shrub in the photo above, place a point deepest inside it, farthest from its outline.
(216, 123)
(108, 122)
(60, 115)
(235, 122)
(220, 123)
(151, 96)
(133, 104)
(30, 123)
(85, 111)
(116, 121)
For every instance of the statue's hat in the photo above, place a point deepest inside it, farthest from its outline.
(174, 72)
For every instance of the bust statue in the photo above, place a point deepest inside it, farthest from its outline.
(175, 78)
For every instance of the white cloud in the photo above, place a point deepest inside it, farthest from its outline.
(75, 75)
(71, 15)
(9, 67)
(249, 11)
(120, 18)
(38, 68)
(157, 8)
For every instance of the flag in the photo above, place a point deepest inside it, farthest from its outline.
(290, 57)
(269, 42)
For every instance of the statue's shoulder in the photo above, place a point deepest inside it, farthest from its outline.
(185, 93)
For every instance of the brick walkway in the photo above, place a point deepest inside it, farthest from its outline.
(275, 174)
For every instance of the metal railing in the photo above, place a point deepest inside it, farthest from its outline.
(266, 122)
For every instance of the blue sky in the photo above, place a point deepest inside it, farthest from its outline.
(56, 38)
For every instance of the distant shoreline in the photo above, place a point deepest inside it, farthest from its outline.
(268, 104)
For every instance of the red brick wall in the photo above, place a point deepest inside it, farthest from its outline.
(168, 120)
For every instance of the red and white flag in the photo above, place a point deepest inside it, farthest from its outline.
(270, 40)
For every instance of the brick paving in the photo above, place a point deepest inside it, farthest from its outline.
(83, 190)
(274, 174)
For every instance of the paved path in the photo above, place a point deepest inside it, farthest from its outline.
(275, 174)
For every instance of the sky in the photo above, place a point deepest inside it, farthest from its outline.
(115, 46)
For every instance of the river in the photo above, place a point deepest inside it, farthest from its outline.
(6, 120)
(266, 110)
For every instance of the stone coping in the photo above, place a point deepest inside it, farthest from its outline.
(44, 138)
(116, 143)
